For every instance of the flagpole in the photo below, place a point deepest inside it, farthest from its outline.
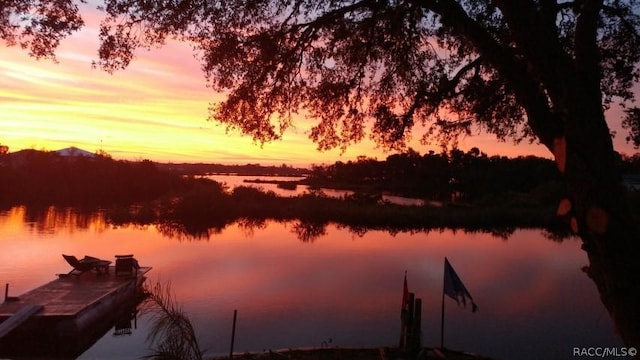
(442, 314)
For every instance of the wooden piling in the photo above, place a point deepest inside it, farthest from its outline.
(407, 323)
(416, 326)
(411, 325)
(233, 333)
(412, 297)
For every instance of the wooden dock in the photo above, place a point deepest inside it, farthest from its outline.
(69, 295)
(67, 307)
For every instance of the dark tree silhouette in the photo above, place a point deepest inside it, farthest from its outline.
(631, 122)
(38, 25)
(537, 69)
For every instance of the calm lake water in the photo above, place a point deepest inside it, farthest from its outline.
(534, 300)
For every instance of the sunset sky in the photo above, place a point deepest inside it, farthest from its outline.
(157, 109)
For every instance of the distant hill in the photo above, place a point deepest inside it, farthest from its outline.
(20, 157)
(74, 151)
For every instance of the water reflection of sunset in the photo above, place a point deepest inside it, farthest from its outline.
(530, 290)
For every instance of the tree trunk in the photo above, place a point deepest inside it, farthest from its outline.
(615, 269)
(600, 213)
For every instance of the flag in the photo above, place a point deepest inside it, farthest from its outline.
(454, 288)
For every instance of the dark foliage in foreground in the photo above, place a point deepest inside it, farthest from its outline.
(171, 332)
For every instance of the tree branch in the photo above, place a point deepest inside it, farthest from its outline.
(587, 55)
(448, 85)
(336, 13)
(541, 119)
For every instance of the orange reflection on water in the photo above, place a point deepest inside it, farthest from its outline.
(53, 219)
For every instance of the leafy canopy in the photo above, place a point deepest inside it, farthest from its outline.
(38, 25)
(509, 67)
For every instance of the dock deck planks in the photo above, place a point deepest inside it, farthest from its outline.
(69, 295)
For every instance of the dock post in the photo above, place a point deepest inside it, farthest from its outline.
(406, 321)
(233, 333)
(409, 325)
(416, 331)
(6, 292)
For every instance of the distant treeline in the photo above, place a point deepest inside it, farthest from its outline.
(470, 176)
(32, 177)
(248, 169)
(500, 194)
(47, 178)
(140, 193)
